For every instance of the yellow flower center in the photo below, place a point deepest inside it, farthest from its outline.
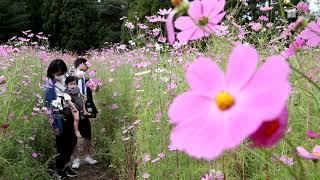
(176, 2)
(224, 100)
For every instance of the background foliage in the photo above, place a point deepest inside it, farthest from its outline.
(79, 25)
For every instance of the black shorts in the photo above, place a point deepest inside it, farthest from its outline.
(85, 128)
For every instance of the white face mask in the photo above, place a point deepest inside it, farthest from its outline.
(59, 78)
(80, 73)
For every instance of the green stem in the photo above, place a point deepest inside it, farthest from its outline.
(281, 10)
(303, 173)
(306, 77)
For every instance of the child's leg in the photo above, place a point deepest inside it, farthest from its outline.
(76, 117)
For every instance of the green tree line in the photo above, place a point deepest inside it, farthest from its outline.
(79, 25)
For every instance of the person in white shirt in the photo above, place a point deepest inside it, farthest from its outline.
(80, 69)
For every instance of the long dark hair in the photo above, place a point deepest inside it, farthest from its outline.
(57, 65)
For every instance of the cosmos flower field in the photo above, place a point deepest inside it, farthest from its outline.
(193, 95)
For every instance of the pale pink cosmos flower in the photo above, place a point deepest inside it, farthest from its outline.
(145, 175)
(293, 47)
(266, 8)
(213, 175)
(315, 154)
(44, 56)
(222, 30)
(263, 18)
(283, 159)
(146, 157)
(162, 39)
(94, 84)
(154, 19)
(156, 31)
(114, 106)
(255, 26)
(203, 19)
(294, 25)
(158, 117)
(270, 132)
(129, 25)
(162, 155)
(269, 25)
(92, 73)
(2, 80)
(302, 6)
(312, 33)
(216, 113)
(142, 26)
(35, 155)
(164, 12)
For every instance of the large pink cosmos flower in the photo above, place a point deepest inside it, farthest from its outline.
(312, 33)
(304, 153)
(221, 110)
(203, 19)
(270, 132)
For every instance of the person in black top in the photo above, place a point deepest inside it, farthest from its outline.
(84, 124)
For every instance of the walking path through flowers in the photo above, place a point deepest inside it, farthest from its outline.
(96, 172)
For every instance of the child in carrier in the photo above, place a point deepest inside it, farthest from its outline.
(77, 99)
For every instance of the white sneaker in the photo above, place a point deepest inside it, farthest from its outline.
(76, 163)
(90, 161)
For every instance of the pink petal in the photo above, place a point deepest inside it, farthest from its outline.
(188, 105)
(241, 66)
(304, 153)
(267, 92)
(184, 22)
(242, 124)
(216, 18)
(312, 134)
(186, 35)
(201, 137)
(195, 10)
(200, 33)
(260, 138)
(170, 28)
(213, 7)
(205, 76)
(316, 149)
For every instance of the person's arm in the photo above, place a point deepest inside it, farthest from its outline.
(84, 97)
(49, 97)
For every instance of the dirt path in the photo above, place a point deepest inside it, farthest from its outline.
(96, 172)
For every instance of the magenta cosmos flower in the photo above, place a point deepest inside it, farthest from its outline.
(315, 154)
(221, 110)
(312, 134)
(270, 132)
(312, 33)
(203, 19)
